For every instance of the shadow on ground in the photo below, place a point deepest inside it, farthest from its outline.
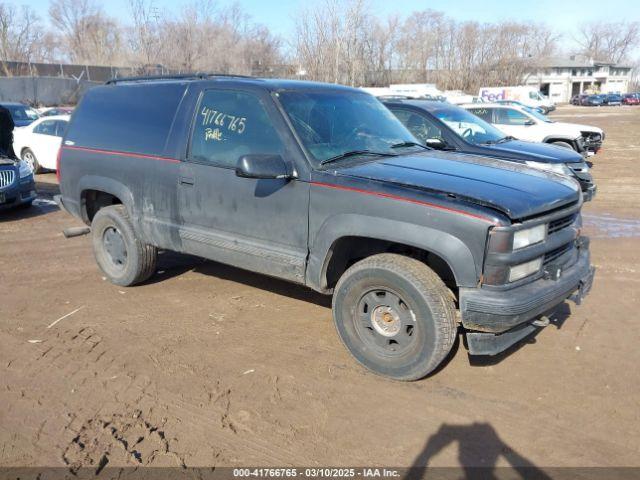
(479, 450)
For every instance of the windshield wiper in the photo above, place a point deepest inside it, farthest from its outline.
(353, 153)
(409, 144)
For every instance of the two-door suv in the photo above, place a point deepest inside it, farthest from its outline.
(321, 185)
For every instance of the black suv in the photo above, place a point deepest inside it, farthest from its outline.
(321, 185)
(447, 127)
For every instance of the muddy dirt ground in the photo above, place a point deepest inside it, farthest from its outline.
(209, 365)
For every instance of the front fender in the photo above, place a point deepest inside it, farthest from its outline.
(450, 248)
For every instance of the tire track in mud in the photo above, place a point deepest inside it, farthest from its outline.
(116, 416)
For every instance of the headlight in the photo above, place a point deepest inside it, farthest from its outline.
(25, 170)
(560, 168)
(523, 270)
(530, 236)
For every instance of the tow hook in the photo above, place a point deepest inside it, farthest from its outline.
(541, 322)
(76, 231)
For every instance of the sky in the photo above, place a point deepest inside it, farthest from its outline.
(562, 15)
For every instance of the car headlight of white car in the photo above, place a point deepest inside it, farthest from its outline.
(560, 168)
(25, 170)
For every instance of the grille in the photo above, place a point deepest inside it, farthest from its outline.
(7, 177)
(557, 253)
(561, 223)
(579, 167)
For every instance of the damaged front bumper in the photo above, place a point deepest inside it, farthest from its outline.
(497, 320)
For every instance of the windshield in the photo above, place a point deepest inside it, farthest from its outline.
(20, 112)
(536, 113)
(333, 123)
(469, 127)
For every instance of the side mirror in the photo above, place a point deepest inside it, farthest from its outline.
(436, 143)
(528, 123)
(261, 166)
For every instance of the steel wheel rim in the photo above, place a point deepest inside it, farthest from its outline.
(385, 323)
(29, 159)
(115, 247)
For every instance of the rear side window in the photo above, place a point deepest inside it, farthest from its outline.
(48, 127)
(508, 116)
(128, 118)
(230, 124)
(483, 113)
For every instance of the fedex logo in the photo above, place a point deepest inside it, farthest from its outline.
(493, 95)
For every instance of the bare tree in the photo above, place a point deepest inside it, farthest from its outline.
(611, 42)
(144, 36)
(20, 35)
(88, 35)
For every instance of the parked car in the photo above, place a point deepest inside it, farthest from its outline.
(631, 99)
(528, 124)
(17, 186)
(577, 99)
(56, 111)
(22, 115)
(592, 101)
(321, 185)
(38, 144)
(612, 99)
(447, 127)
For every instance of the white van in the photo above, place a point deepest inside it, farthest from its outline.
(528, 96)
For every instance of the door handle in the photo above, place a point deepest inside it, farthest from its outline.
(186, 181)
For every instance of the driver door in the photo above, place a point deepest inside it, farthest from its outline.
(257, 224)
(422, 127)
(517, 124)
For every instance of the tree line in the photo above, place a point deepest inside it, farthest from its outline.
(339, 41)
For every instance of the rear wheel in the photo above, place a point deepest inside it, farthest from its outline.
(30, 159)
(395, 316)
(123, 258)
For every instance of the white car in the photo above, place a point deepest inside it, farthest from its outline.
(38, 144)
(525, 123)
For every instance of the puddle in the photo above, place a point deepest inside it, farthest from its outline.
(608, 226)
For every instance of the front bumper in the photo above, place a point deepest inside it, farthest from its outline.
(484, 343)
(20, 192)
(590, 193)
(501, 318)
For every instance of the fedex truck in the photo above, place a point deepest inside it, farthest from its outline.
(528, 96)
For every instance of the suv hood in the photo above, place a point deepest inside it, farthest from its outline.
(574, 128)
(511, 188)
(539, 152)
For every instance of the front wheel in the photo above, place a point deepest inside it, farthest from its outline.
(395, 316)
(560, 143)
(30, 159)
(123, 258)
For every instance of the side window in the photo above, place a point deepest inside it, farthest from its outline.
(483, 113)
(508, 116)
(230, 124)
(421, 127)
(61, 126)
(47, 127)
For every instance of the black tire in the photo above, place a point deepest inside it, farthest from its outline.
(29, 156)
(426, 317)
(560, 143)
(123, 258)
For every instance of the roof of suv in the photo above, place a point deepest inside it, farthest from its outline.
(273, 84)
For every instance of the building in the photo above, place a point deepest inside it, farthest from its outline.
(562, 78)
